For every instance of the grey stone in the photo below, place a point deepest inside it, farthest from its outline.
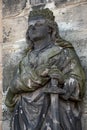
(13, 6)
(72, 23)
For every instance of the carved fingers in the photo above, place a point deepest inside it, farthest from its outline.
(71, 86)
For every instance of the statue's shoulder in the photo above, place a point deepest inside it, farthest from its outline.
(24, 60)
(64, 43)
(66, 46)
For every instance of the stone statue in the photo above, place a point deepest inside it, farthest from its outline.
(47, 89)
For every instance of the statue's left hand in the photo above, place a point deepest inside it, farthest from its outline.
(71, 87)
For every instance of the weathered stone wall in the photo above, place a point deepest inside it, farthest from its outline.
(13, 6)
(0, 65)
(71, 18)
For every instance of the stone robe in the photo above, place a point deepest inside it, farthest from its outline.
(32, 106)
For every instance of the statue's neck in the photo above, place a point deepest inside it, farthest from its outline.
(40, 44)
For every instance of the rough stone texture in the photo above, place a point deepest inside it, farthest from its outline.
(16, 50)
(0, 66)
(71, 18)
(0, 21)
(13, 6)
(66, 2)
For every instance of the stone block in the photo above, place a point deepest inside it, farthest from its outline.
(13, 6)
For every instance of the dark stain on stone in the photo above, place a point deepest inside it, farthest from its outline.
(6, 34)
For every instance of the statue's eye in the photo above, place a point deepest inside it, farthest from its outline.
(38, 24)
(31, 27)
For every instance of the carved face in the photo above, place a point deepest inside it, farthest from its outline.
(38, 29)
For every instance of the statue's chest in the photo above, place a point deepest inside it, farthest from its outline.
(36, 59)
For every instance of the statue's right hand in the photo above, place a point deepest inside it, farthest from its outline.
(56, 74)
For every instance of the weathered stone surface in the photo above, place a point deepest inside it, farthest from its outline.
(0, 54)
(14, 51)
(0, 111)
(0, 65)
(6, 125)
(71, 18)
(13, 6)
(1, 21)
(14, 28)
(59, 3)
(72, 27)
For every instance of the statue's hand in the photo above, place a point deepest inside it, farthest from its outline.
(56, 74)
(71, 88)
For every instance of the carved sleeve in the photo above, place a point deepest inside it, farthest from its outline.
(74, 75)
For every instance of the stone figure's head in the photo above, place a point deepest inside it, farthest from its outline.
(40, 24)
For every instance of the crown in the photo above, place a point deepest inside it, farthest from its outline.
(43, 13)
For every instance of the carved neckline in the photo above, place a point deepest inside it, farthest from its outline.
(49, 45)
